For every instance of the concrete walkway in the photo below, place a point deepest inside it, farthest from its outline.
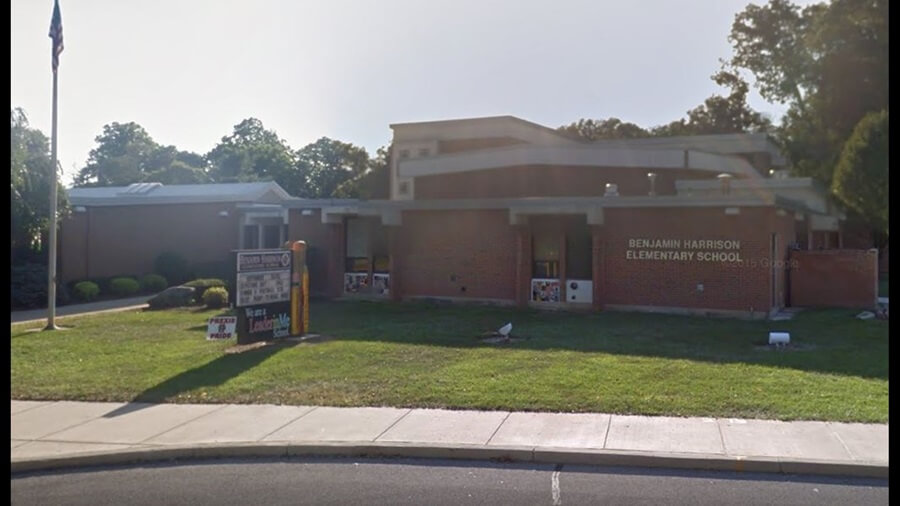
(48, 434)
(79, 309)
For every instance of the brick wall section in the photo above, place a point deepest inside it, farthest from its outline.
(834, 278)
(478, 248)
(125, 240)
(73, 236)
(542, 181)
(321, 250)
(673, 283)
(460, 145)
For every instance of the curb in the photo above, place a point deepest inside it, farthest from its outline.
(59, 316)
(542, 455)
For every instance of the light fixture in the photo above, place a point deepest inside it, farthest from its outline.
(223, 213)
(725, 179)
(652, 177)
(306, 212)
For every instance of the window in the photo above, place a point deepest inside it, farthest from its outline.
(579, 254)
(404, 153)
(251, 236)
(404, 188)
(271, 236)
(545, 250)
(424, 152)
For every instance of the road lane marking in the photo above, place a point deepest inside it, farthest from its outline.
(554, 485)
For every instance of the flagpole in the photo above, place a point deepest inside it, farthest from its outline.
(51, 263)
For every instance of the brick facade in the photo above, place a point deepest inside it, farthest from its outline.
(543, 181)
(459, 254)
(817, 274)
(125, 240)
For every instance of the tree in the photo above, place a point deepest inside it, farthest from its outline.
(828, 62)
(31, 174)
(253, 153)
(326, 164)
(861, 176)
(123, 156)
(718, 114)
(612, 128)
(374, 183)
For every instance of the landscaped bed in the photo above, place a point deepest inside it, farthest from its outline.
(433, 355)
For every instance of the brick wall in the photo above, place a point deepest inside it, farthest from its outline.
(542, 181)
(125, 240)
(324, 257)
(467, 254)
(673, 283)
(460, 145)
(834, 278)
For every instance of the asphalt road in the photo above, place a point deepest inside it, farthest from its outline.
(431, 482)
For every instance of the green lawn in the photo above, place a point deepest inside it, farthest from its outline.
(427, 355)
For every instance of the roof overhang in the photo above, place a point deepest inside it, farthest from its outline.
(391, 211)
(575, 156)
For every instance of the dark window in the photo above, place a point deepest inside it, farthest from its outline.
(578, 254)
(271, 236)
(251, 236)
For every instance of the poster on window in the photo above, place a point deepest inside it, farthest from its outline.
(381, 283)
(356, 282)
(545, 290)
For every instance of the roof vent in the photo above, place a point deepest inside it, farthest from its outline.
(612, 190)
(140, 188)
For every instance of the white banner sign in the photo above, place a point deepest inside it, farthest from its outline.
(221, 327)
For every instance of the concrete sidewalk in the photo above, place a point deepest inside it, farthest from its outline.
(60, 434)
(79, 309)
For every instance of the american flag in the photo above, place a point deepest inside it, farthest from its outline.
(56, 34)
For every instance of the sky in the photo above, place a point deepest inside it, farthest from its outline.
(188, 71)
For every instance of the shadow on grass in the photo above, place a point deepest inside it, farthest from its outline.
(211, 374)
(828, 341)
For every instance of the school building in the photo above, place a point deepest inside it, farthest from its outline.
(503, 210)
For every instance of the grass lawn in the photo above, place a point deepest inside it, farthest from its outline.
(429, 355)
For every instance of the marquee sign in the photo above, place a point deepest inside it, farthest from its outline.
(262, 294)
(263, 277)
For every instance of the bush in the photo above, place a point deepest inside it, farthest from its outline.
(174, 296)
(28, 286)
(152, 283)
(86, 291)
(124, 286)
(215, 297)
(172, 266)
(201, 285)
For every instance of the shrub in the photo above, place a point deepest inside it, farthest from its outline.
(215, 297)
(171, 266)
(28, 286)
(153, 283)
(86, 291)
(201, 285)
(124, 286)
(175, 296)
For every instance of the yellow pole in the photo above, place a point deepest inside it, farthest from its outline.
(295, 289)
(305, 296)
